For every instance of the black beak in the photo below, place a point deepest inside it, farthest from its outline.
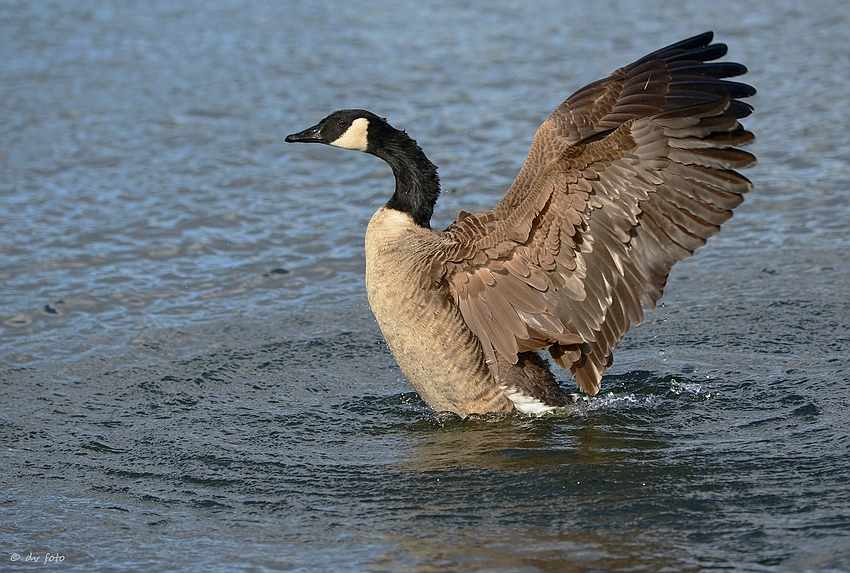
(309, 135)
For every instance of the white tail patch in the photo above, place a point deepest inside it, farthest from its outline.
(355, 137)
(526, 404)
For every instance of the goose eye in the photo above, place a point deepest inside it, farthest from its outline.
(340, 122)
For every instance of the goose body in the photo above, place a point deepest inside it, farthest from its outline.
(424, 329)
(629, 175)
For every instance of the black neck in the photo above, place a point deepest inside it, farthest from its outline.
(417, 185)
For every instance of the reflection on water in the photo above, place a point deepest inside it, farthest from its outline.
(190, 375)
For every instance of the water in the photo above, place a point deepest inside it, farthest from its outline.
(190, 377)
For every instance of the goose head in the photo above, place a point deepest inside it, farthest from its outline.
(417, 183)
(346, 128)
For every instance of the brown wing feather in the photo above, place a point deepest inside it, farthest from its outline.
(680, 75)
(568, 261)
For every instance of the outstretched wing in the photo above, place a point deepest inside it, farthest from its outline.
(568, 263)
(680, 75)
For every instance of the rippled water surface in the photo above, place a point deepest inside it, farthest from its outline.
(190, 377)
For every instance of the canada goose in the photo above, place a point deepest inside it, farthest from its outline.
(629, 175)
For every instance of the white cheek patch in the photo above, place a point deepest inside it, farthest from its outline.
(355, 137)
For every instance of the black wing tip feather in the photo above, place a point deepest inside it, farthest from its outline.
(691, 63)
(694, 53)
(703, 54)
(692, 43)
(682, 46)
(717, 70)
(740, 109)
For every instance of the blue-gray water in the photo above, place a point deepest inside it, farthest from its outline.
(190, 377)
